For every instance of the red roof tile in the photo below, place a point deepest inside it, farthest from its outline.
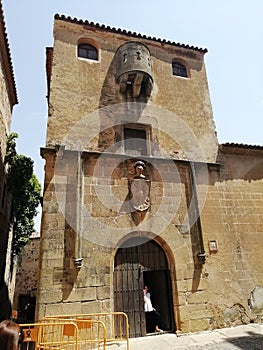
(241, 145)
(7, 57)
(124, 32)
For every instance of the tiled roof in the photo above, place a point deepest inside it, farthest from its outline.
(7, 56)
(125, 32)
(241, 145)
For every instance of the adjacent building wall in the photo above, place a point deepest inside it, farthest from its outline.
(26, 280)
(8, 99)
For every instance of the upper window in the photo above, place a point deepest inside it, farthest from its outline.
(179, 69)
(88, 51)
(135, 141)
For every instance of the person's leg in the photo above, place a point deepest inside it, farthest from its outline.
(157, 317)
(148, 320)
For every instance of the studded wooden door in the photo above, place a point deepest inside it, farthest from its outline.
(133, 259)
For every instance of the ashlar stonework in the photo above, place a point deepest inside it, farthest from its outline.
(191, 228)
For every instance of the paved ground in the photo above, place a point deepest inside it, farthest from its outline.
(245, 337)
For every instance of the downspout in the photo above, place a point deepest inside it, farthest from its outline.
(78, 239)
(196, 219)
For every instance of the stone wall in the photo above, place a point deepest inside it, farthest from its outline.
(5, 120)
(27, 271)
(206, 296)
(74, 102)
(8, 99)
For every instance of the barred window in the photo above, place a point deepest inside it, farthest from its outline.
(88, 51)
(179, 69)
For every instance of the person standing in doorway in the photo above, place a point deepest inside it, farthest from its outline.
(151, 314)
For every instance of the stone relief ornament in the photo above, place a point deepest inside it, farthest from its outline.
(139, 192)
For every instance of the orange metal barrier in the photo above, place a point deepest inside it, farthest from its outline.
(116, 324)
(39, 336)
(64, 335)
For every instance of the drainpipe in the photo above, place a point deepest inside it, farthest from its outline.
(196, 214)
(78, 239)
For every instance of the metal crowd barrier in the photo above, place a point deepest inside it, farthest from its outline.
(116, 324)
(64, 335)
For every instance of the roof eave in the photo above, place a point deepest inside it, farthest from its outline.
(7, 62)
(126, 33)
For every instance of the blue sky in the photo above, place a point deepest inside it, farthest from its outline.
(231, 30)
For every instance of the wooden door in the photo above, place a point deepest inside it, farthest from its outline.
(128, 287)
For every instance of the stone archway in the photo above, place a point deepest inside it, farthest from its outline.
(139, 261)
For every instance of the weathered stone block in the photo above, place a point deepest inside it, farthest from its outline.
(81, 294)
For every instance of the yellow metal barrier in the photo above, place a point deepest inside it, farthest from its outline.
(47, 336)
(64, 335)
(116, 324)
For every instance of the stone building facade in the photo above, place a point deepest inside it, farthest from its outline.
(26, 280)
(137, 189)
(8, 99)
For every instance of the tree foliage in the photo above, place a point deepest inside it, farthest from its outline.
(26, 193)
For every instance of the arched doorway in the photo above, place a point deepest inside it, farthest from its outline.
(141, 261)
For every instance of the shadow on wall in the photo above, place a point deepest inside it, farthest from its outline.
(69, 273)
(5, 304)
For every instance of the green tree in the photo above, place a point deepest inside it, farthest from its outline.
(26, 193)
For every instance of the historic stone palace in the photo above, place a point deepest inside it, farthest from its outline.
(139, 192)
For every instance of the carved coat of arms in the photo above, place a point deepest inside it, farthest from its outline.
(139, 193)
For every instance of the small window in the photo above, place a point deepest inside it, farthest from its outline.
(135, 141)
(179, 69)
(88, 51)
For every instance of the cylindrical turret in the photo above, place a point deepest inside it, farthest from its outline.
(134, 68)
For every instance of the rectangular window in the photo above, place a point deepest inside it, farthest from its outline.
(135, 141)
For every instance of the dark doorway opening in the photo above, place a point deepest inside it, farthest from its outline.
(26, 310)
(159, 286)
